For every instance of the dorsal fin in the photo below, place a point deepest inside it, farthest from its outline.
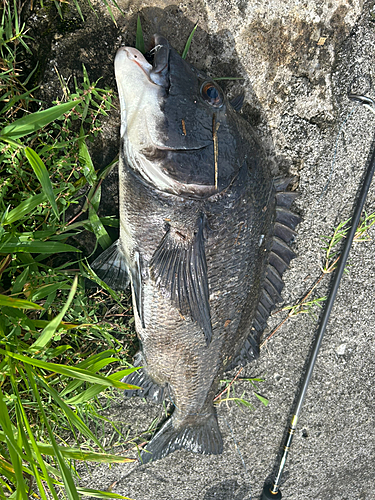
(279, 259)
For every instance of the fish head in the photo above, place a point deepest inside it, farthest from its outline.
(178, 130)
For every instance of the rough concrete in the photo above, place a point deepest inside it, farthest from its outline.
(298, 59)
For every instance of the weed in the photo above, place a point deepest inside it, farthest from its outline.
(229, 392)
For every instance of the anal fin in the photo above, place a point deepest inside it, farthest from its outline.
(148, 388)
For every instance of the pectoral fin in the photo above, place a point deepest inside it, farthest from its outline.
(112, 268)
(116, 270)
(179, 268)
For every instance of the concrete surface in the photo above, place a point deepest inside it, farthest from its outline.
(298, 59)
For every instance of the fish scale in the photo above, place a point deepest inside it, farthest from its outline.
(203, 240)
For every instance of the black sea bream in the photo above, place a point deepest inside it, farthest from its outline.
(203, 233)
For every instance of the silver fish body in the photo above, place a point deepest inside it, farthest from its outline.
(203, 232)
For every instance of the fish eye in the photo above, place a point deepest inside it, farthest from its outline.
(212, 94)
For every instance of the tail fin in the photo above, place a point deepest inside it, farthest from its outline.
(203, 437)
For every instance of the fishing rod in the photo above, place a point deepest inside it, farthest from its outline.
(272, 491)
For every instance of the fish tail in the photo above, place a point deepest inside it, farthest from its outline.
(202, 437)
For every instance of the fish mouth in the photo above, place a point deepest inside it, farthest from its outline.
(154, 63)
(158, 57)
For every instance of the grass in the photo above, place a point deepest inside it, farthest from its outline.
(57, 355)
(228, 393)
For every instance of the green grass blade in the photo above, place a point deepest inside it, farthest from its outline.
(20, 281)
(43, 177)
(77, 454)
(75, 420)
(15, 453)
(99, 230)
(139, 40)
(35, 121)
(24, 208)
(86, 395)
(110, 12)
(42, 323)
(43, 247)
(5, 300)
(262, 399)
(70, 487)
(188, 43)
(90, 274)
(100, 494)
(79, 10)
(45, 290)
(31, 446)
(73, 372)
(85, 159)
(51, 328)
(93, 201)
(17, 98)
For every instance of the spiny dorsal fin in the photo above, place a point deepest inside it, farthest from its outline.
(179, 268)
(279, 259)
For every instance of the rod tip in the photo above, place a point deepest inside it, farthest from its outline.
(268, 495)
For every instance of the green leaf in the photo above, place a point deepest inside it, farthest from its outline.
(100, 494)
(20, 281)
(43, 247)
(52, 326)
(86, 395)
(41, 323)
(187, 46)
(15, 453)
(85, 159)
(7, 301)
(35, 121)
(24, 208)
(73, 372)
(43, 177)
(45, 290)
(110, 10)
(70, 488)
(99, 230)
(78, 454)
(31, 444)
(262, 399)
(74, 419)
(139, 41)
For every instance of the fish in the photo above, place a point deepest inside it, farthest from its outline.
(204, 239)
